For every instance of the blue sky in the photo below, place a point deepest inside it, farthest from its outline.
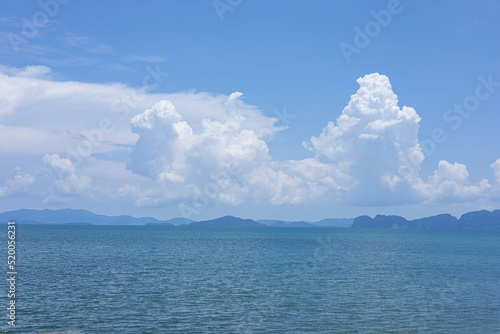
(65, 66)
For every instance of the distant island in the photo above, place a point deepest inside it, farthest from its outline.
(85, 217)
(472, 220)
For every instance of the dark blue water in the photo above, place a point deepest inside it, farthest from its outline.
(145, 279)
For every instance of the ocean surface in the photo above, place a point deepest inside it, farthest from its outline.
(154, 279)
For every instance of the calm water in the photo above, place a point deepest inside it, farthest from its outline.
(142, 279)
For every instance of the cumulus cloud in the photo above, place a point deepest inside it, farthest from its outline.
(375, 142)
(66, 182)
(450, 182)
(187, 161)
(168, 145)
(18, 184)
(293, 182)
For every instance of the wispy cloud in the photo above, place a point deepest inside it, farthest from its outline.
(10, 21)
(69, 61)
(76, 41)
(87, 44)
(103, 49)
(145, 59)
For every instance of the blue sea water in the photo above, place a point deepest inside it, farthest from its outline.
(153, 279)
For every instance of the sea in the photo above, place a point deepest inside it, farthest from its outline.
(159, 279)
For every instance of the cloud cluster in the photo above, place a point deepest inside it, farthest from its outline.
(163, 149)
(371, 156)
(186, 161)
(375, 142)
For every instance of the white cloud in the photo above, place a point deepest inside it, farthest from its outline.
(496, 169)
(52, 117)
(66, 180)
(168, 143)
(87, 43)
(29, 140)
(18, 184)
(60, 115)
(166, 148)
(145, 59)
(20, 179)
(450, 183)
(375, 142)
(38, 71)
(188, 162)
(101, 49)
(293, 182)
(495, 189)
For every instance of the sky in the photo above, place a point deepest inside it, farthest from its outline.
(294, 110)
